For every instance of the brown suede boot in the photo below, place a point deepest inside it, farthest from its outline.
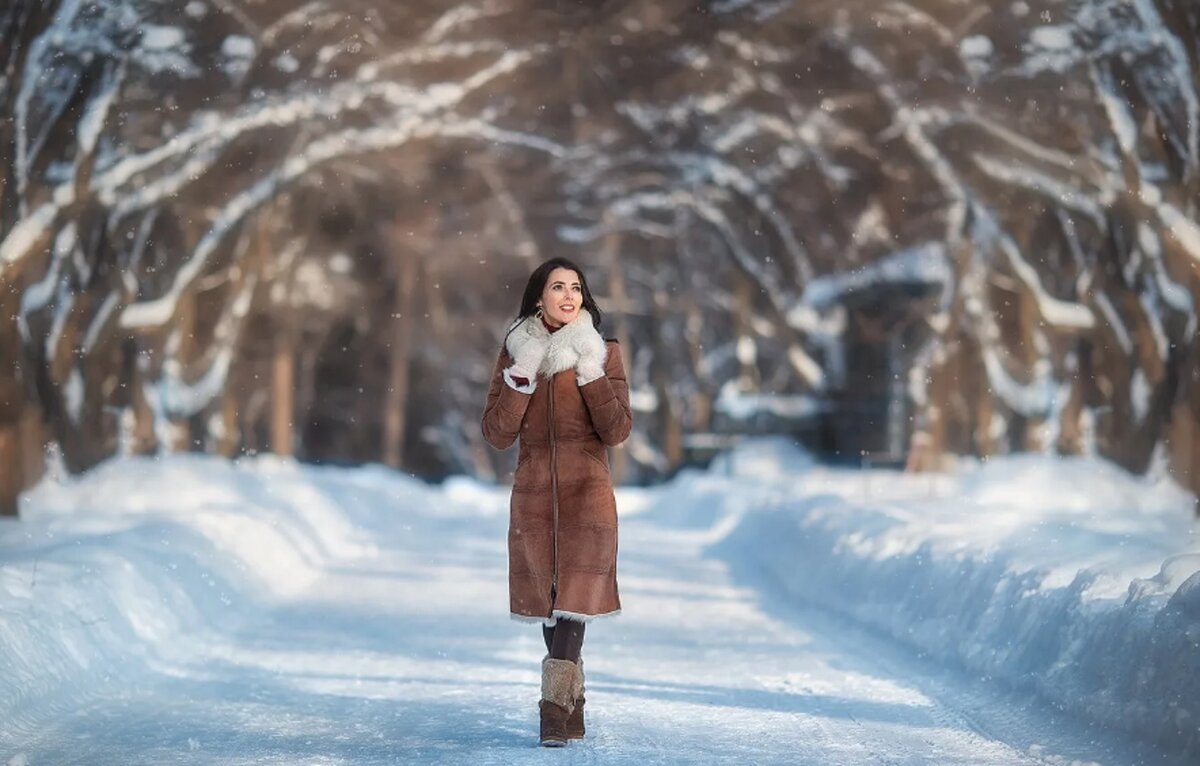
(559, 679)
(575, 721)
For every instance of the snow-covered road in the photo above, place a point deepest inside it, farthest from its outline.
(364, 622)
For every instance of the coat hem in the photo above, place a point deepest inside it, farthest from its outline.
(577, 617)
(531, 619)
(560, 614)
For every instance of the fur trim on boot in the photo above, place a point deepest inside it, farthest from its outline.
(575, 727)
(559, 680)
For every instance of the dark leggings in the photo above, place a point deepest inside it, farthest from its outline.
(564, 640)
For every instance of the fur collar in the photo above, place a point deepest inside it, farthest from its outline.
(564, 346)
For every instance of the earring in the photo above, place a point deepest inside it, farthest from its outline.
(538, 313)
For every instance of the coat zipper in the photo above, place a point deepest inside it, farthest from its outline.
(553, 491)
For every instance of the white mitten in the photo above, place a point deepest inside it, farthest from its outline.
(592, 353)
(528, 358)
(527, 350)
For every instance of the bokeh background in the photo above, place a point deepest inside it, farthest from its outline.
(897, 232)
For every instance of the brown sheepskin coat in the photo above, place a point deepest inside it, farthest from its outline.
(562, 535)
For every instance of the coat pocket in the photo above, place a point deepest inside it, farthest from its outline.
(533, 470)
(601, 459)
(523, 459)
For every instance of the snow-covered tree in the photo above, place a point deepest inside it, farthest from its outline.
(152, 155)
(965, 227)
(1022, 178)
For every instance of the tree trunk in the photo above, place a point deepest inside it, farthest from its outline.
(748, 377)
(1070, 429)
(1193, 411)
(1034, 436)
(308, 356)
(1193, 475)
(144, 437)
(283, 379)
(11, 476)
(616, 291)
(669, 412)
(702, 403)
(227, 444)
(395, 409)
(1183, 448)
(928, 441)
(32, 439)
(22, 457)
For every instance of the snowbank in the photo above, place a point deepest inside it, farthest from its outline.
(1064, 576)
(129, 568)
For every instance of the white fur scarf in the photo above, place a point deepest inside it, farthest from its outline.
(564, 346)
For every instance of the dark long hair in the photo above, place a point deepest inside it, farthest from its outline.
(537, 283)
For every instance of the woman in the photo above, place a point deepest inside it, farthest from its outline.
(561, 388)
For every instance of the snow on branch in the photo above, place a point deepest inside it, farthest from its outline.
(171, 395)
(1061, 192)
(400, 128)
(924, 264)
(1056, 312)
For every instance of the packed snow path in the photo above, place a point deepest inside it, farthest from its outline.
(385, 640)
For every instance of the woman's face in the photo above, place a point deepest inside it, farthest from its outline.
(562, 297)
